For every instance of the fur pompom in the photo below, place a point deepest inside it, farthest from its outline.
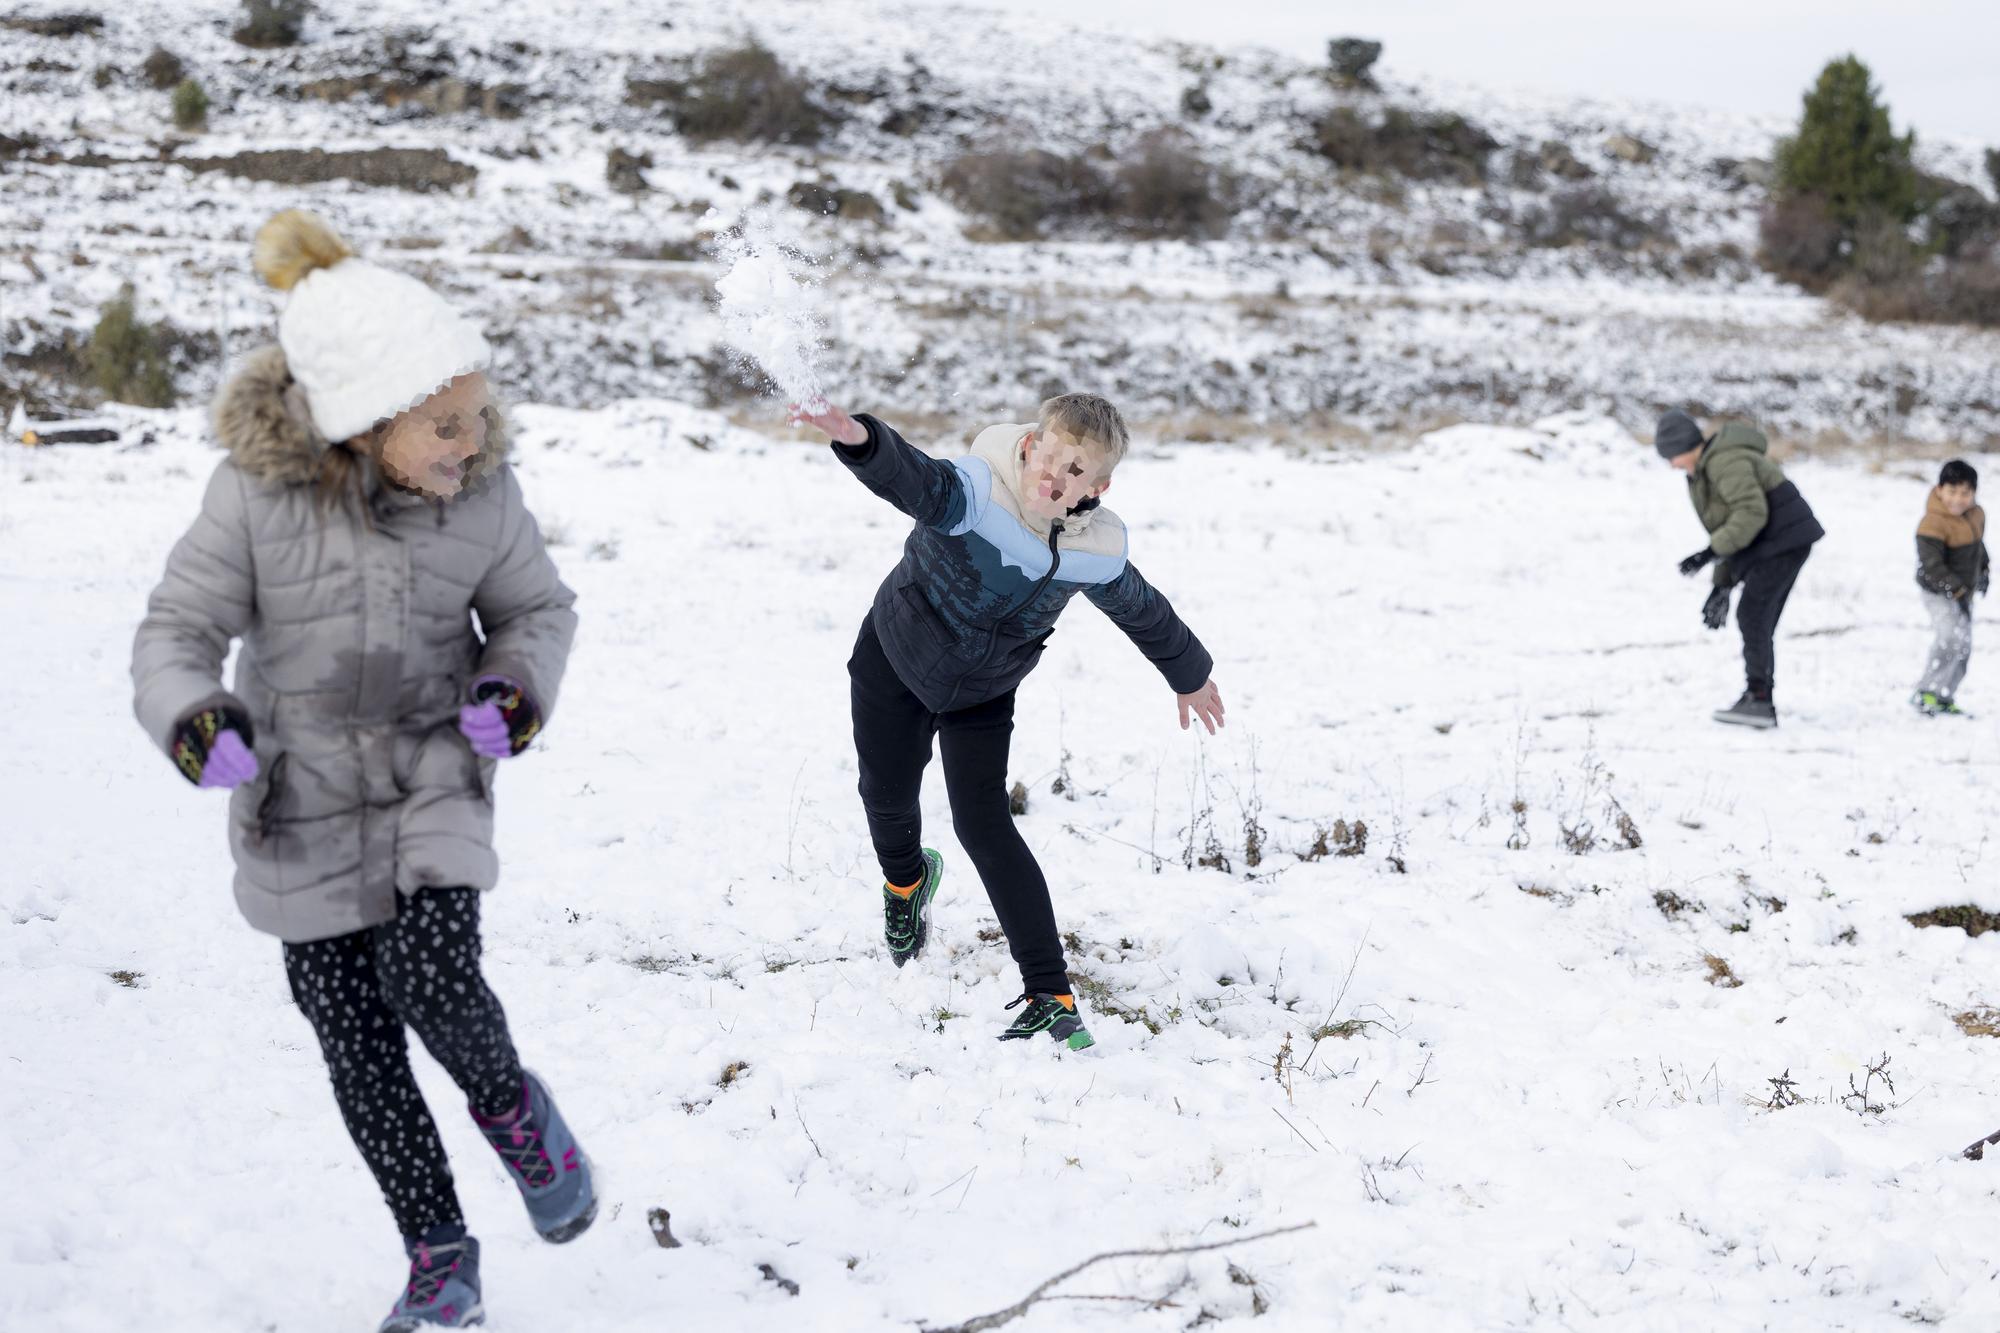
(294, 243)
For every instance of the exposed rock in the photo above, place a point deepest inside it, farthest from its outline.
(1628, 149)
(420, 169)
(1352, 58)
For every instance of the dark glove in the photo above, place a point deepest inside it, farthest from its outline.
(212, 747)
(501, 720)
(1715, 611)
(1695, 563)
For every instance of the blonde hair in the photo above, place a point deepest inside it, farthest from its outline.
(338, 478)
(1088, 417)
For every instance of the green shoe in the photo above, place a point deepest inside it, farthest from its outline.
(906, 922)
(1931, 704)
(1053, 1014)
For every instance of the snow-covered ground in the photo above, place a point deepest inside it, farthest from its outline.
(1540, 1113)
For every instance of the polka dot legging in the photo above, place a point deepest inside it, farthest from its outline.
(358, 991)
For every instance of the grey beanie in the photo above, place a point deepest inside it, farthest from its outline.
(1676, 434)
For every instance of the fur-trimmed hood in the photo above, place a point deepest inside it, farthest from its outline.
(261, 418)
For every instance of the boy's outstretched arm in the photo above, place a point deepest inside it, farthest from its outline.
(928, 489)
(1149, 620)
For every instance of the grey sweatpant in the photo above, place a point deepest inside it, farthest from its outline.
(1951, 646)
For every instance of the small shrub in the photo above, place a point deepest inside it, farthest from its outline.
(1021, 192)
(1784, 1092)
(1958, 219)
(1720, 973)
(1166, 188)
(163, 69)
(1589, 215)
(1969, 293)
(103, 76)
(190, 105)
(1556, 158)
(825, 199)
(1861, 1099)
(57, 25)
(272, 23)
(1195, 102)
(1944, 292)
(1417, 145)
(1882, 255)
(1974, 921)
(128, 358)
(1672, 906)
(1979, 1021)
(625, 172)
(743, 93)
(1993, 167)
(1800, 240)
(1017, 799)
(1339, 838)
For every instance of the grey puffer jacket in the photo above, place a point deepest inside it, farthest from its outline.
(358, 645)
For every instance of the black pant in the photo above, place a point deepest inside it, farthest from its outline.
(1766, 585)
(892, 740)
(358, 991)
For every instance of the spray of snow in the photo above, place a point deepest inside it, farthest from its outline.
(770, 307)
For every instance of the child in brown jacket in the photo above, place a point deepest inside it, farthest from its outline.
(1951, 566)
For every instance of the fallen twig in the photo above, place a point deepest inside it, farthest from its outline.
(979, 1323)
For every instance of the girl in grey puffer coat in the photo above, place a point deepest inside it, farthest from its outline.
(368, 711)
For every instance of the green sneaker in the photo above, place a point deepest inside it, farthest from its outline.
(1053, 1014)
(1931, 704)
(906, 922)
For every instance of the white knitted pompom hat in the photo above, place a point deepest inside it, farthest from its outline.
(363, 341)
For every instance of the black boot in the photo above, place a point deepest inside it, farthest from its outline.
(1754, 709)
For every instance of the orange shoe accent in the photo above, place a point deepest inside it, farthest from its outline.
(902, 890)
(1066, 1001)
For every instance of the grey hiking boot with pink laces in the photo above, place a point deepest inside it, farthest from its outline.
(545, 1161)
(443, 1287)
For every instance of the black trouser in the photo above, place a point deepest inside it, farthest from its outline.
(892, 740)
(358, 991)
(1766, 585)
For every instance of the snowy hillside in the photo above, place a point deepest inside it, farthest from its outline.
(1595, 256)
(1514, 1067)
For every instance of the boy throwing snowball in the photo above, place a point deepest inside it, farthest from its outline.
(1003, 539)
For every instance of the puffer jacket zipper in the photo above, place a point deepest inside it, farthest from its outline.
(993, 635)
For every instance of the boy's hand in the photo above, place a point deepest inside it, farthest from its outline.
(1206, 703)
(830, 420)
(1715, 611)
(1693, 564)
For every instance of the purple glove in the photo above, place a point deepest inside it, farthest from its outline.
(501, 721)
(229, 762)
(210, 750)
